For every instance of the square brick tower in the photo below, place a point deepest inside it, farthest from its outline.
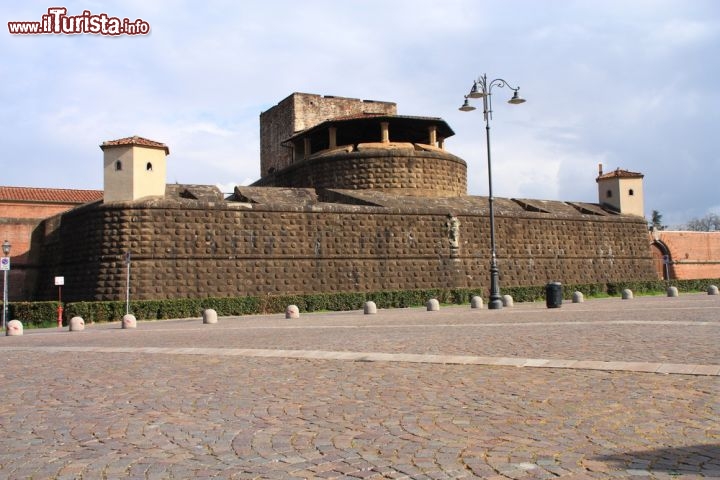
(621, 190)
(301, 111)
(134, 167)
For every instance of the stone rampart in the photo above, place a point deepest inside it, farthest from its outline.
(299, 244)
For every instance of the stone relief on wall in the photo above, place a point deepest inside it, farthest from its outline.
(453, 230)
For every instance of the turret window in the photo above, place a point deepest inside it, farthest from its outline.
(118, 166)
(631, 192)
(148, 167)
(609, 194)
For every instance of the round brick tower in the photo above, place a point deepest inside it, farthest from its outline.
(398, 154)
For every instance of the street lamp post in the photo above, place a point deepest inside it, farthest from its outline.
(127, 283)
(483, 89)
(6, 268)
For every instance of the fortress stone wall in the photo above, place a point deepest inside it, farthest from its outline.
(269, 240)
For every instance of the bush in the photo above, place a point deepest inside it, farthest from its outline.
(95, 311)
(526, 294)
(231, 306)
(695, 285)
(34, 314)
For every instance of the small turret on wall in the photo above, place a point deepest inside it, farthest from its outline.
(621, 191)
(134, 167)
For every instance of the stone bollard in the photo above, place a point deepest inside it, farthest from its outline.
(433, 305)
(292, 311)
(369, 308)
(627, 294)
(209, 316)
(578, 297)
(507, 301)
(712, 290)
(129, 321)
(672, 292)
(476, 302)
(14, 328)
(77, 324)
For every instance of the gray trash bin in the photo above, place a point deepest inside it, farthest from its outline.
(553, 295)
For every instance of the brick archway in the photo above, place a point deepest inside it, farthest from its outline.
(660, 253)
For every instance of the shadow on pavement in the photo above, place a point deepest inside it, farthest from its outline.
(693, 459)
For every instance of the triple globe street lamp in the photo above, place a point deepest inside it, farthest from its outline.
(482, 88)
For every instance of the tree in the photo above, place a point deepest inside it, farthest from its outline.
(708, 223)
(656, 221)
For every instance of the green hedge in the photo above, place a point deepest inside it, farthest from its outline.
(43, 314)
(660, 286)
(34, 314)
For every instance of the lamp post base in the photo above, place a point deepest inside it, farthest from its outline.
(495, 304)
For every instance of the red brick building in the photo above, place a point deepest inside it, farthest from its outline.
(686, 255)
(21, 211)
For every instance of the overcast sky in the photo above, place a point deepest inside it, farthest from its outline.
(631, 84)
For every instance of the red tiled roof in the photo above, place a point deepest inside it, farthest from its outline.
(135, 140)
(49, 195)
(620, 173)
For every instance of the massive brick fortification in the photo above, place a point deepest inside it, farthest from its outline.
(268, 240)
(358, 201)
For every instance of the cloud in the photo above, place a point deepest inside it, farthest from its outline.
(685, 33)
(206, 128)
(526, 166)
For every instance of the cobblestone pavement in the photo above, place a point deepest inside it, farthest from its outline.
(405, 393)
